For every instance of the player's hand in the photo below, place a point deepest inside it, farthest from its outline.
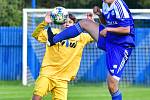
(48, 18)
(97, 11)
(104, 32)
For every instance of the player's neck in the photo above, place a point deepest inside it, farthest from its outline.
(110, 2)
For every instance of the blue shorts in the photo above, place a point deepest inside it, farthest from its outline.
(116, 56)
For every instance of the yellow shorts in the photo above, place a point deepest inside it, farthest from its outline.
(58, 88)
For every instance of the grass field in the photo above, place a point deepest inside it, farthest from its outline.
(15, 91)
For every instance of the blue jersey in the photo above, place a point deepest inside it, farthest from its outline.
(118, 15)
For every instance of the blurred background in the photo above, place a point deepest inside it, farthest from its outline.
(92, 73)
(13, 9)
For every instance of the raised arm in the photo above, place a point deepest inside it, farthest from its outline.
(40, 33)
(97, 11)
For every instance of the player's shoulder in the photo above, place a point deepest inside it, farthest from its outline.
(86, 37)
(55, 29)
(105, 7)
(84, 34)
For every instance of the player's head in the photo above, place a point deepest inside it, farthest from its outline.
(71, 20)
(89, 15)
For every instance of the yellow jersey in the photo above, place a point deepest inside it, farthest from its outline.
(62, 60)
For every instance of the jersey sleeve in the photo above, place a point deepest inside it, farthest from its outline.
(40, 33)
(123, 15)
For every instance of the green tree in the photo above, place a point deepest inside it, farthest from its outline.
(49, 3)
(11, 12)
(145, 3)
(133, 4)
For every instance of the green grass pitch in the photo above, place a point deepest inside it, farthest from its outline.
(15, 91)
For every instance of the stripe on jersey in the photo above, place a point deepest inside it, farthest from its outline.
(119, 9)
(122, 10)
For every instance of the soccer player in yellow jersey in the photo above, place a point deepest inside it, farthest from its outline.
(61, 61)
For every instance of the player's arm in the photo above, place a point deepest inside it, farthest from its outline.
(86, 37)
(119, 30)
(40, 33)
(39, 29)
(97, 11)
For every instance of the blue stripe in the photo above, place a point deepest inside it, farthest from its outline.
(119, 9)
(127, 9)
(116, 93)
(80, 30)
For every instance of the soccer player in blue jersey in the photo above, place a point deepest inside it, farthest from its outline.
(116, 38)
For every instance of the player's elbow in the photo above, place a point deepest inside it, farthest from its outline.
(34, 35)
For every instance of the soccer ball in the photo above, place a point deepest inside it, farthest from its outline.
(59, 15)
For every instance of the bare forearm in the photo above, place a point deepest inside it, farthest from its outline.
(119, 30)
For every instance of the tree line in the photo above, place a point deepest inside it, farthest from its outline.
(11, 10)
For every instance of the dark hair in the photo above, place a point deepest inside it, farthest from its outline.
(72, 17)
